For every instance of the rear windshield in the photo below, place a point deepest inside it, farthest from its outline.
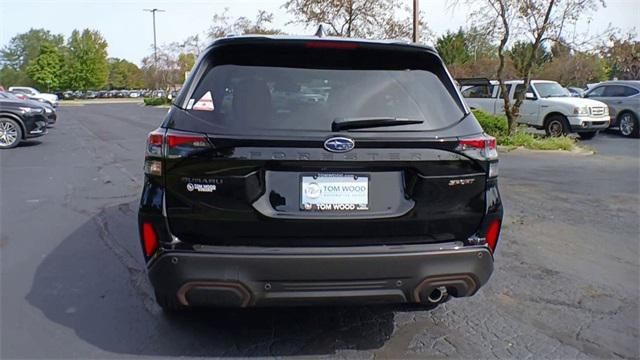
(304, 89)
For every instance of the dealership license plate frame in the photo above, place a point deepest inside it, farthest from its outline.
(350, 206)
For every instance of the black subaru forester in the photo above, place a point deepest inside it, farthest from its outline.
(308, 170)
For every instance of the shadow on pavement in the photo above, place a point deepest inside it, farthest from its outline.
(94, 283)
(29, 143)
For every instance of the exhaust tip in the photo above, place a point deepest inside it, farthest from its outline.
(437, 295)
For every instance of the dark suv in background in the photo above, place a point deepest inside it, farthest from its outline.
(20, 120)
(306, 170)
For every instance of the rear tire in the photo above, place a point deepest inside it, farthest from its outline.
(556, 125)
(587, 135)
(629, 125)
(10, 133)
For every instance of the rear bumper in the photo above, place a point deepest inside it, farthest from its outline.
(244, 276)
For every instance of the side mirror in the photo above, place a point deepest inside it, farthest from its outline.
(529, 96)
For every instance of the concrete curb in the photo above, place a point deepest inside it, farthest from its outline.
(100, 101)
(521, 149)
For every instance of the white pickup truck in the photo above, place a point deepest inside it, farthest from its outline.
(546, 105)
(34, 94)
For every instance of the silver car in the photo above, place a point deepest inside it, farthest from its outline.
(623, 99)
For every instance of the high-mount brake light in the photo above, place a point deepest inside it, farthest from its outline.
(331, 45)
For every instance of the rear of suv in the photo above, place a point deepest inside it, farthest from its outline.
(298, 171)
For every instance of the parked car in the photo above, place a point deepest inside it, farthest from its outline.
(50, 111)
(623, 99)
(158, 94)
(546, 105)
(575, 91)
(20, 120)
(32, 93)
(384, 191)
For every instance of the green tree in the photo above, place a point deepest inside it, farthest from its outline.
(20, 51)
(124, 75)
(24, 47)
(519, 54)
(480, 44)
(10, 77)
(623, 57)
(572, 67)
(453, 48)
(186, 62)
(86, 65)
(46, 69)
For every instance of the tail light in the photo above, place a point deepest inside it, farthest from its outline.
(493, 231)
(481, 148)
(179, 145)
(149, 239)
(170, 145)
(154, 143)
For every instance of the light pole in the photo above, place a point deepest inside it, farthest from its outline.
(155, 46)
(416, 21)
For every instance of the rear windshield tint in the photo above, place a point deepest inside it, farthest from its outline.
(306, 89)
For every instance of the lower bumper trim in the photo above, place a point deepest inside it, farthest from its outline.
(349, 275)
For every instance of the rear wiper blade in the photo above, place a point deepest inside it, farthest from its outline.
(370, 122)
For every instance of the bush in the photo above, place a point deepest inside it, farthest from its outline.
(537, 142)
(496, 126)
(155, 101)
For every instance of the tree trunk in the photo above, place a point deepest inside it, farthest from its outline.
(532, 55)
(511, 119)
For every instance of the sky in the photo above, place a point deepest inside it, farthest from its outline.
(129, 30)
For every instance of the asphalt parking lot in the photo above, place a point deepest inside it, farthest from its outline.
(73, 283)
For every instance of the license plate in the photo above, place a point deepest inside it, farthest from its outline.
(335, 192)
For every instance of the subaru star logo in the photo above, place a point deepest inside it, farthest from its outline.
(339, 144)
